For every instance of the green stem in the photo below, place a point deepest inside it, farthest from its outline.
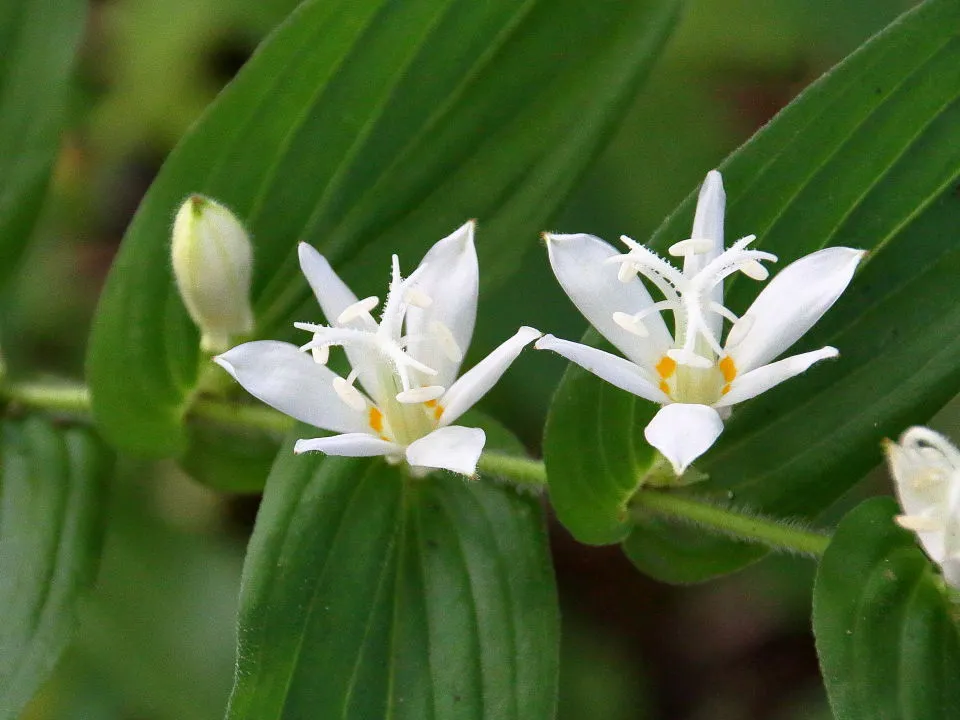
(241, 416)
(521, 471)
(59, 397)
(738, 524)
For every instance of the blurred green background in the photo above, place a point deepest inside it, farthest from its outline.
(156, 641)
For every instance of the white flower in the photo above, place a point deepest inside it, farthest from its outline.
(926, 472)
(213, 265)
(691, 373)
(409, 394)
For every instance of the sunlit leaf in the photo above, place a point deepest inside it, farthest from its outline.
(38, 41)
(886, 631)
(369, 127)
(367, 593)
(51, 503)
(866, 157)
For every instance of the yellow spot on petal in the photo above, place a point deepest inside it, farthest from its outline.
(376, 421)
(437, 411)
(664, 388)
(726, 389)
(728, 368)
(666, 367)
(431, 403)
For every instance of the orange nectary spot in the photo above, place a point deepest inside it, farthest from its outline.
(666, 367)
(430, 403)
(664, 388)
(376, 420)
(726, 389)
(437, 411)
(728, 368)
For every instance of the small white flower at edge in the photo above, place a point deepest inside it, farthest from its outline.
(926, 473)
(406, 364)
(691, 373)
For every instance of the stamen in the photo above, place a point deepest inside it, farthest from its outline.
(754, 270)
(626, 272)
(631, 323)
(696, 246)
(918, 523)
(421, 394)
(689, 358)
(349, 394)
(448, 344)
(321, 353)
(739, 331)
(417, 297)
(357, 309)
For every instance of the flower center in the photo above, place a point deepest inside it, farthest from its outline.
(404, 405)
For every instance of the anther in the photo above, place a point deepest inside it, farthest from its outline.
(357, 309)
(739, 331)
(626, 272)
(417, 297)
(631, 323)
(421, 394)
(754, 270)
(349, 394)
(697, 246)
(448, 344)
(321, 353)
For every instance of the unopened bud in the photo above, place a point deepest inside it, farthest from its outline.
(213, 265)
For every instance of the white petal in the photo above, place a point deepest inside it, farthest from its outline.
(763, 378)
(331, 292)
(708, 225)
(476, 382)
(579, 262)
(793, 301)
(451, 280)
(453, 448)
(349, 445)
(334, 298)
(925, 466)
(683, 432)
(290, 381)
(615, 370)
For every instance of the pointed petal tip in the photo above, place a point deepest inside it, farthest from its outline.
(714, 179)
(683, 432)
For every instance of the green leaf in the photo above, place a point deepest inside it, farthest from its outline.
(51, 500)
(39, 41)
(866, 157)
(594, 465)
(886, 631)
(369, 127)
(369, 594)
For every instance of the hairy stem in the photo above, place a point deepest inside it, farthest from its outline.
(779, 535)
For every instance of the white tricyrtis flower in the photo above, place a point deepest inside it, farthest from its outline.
(406, 365)
(694, 375)
(926, 472)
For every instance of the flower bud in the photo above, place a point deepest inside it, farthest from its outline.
(213, 265)
(926, 471)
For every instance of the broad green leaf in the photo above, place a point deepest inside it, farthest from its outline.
(51, 500)
(368, 127)
(38, 41)
(369, 594)
(593, 465)
(886, 631)
(866, 157)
